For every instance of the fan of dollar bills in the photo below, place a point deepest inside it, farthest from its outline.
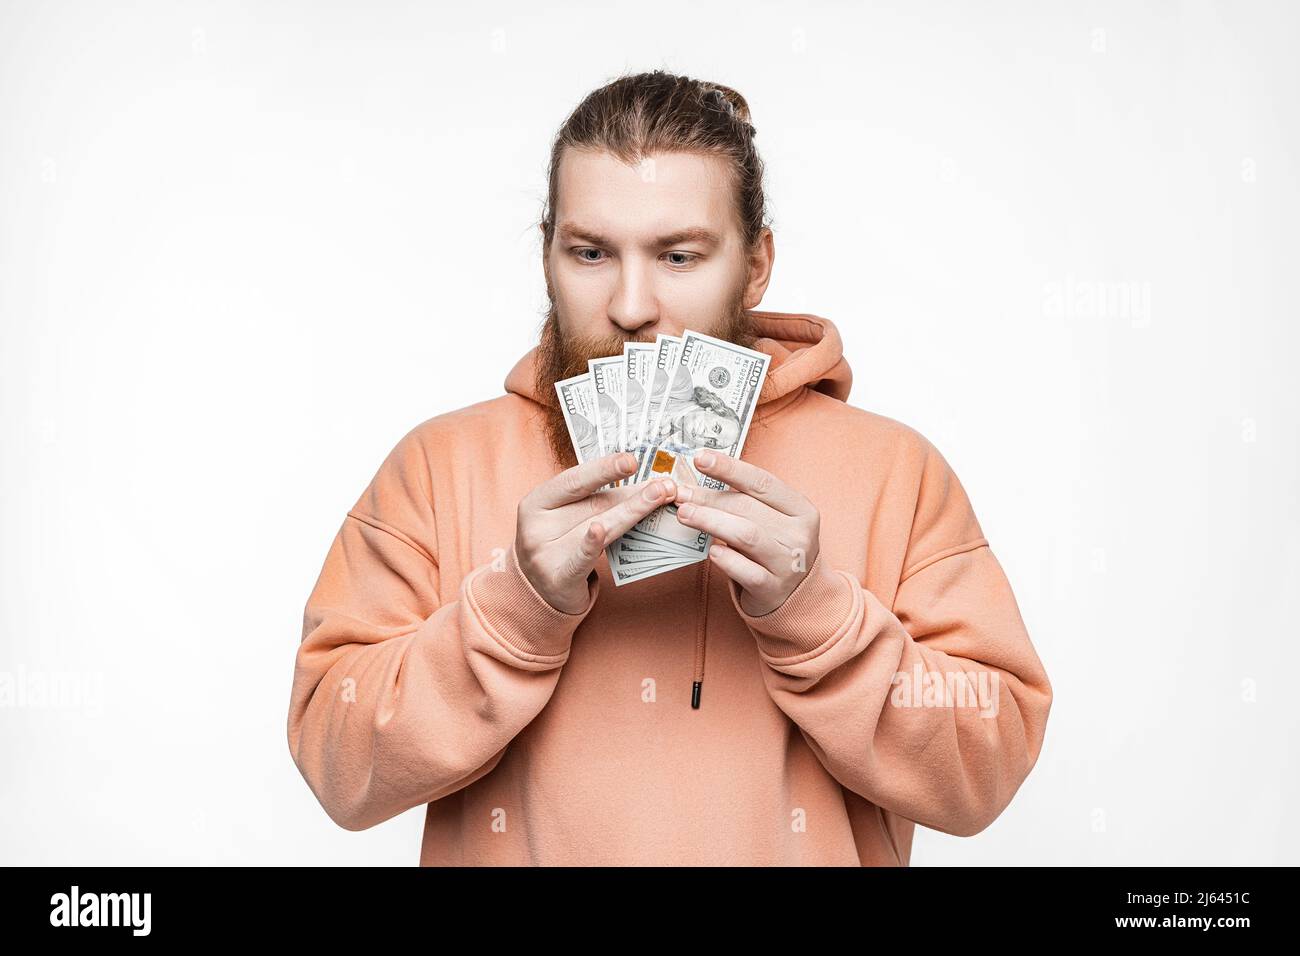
(664, 402)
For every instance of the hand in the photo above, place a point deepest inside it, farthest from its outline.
(770, 533)
(566, 522)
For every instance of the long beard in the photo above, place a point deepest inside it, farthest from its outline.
(561, 356)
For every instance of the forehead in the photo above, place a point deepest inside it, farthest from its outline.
(660, 193)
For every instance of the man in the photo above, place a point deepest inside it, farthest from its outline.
(464, 647)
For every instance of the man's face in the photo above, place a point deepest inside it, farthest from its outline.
(638, 251)
(703, 428)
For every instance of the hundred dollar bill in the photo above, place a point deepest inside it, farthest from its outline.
(638, 367)
(636, 561)
(630, 573)
(712, 392)
(607, 380)
(578, 401)
(667, 350)
(636, 556)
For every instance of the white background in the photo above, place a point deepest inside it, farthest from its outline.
(245, 248)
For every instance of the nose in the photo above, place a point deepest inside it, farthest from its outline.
(632, 305)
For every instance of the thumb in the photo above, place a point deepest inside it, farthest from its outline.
(592, 543)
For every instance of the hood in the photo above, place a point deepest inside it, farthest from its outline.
(806, 350)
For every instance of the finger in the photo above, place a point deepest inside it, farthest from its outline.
(632, 509)
(576, 483)
(589, 547)
(614, 521)
(748, 537)
(739, 568)
(737, 502)
(754, 481)
(595, 504)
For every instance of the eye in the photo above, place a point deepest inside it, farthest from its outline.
(579, 253)
(691, 258)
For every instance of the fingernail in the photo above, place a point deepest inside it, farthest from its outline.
(653, 491)
(626, 463)
(685, 510)
(705, 458)
(668, 486)
(684, 492)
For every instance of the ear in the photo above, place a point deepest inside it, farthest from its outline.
(760, 261)
(546, 265)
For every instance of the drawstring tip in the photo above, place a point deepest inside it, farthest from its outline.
(695, 694)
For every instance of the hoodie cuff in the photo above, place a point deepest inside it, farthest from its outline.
(815, 612)
(510, 607)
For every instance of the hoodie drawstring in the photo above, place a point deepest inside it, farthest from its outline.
(701, 634)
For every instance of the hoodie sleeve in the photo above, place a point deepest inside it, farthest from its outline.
(398, 699)
(935, 708)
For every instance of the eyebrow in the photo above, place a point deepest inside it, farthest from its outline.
(700, 234)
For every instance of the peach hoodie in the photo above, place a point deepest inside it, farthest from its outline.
(430, 671)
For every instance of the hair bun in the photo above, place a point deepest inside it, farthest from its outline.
(725, 102)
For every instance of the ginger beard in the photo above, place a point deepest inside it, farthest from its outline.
(561, 355)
